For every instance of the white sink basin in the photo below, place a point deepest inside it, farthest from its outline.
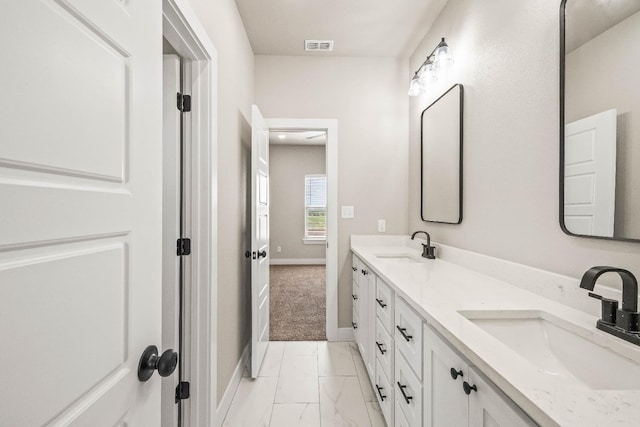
(397, 258)
(560, 349)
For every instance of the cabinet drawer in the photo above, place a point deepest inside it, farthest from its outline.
(408, 390)
(384, 393)
(356, 296)
(408, 335)
(384, 350)
(401, 420)
(384, 305)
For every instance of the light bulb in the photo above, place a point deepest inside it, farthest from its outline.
(415, 87)
(443, 58)
(427, 74)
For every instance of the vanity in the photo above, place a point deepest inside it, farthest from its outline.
(446, 342)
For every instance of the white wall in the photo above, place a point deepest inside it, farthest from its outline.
(592, 86)
(368, 97)
(288, 165)
(507, 57)
(235, 96)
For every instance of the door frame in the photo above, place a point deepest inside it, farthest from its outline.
(331, 126)
(184, 31)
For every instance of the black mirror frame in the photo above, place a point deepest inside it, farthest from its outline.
(563, 5)
(461, 154)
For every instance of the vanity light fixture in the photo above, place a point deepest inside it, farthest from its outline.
(439, 59)
(282, 136)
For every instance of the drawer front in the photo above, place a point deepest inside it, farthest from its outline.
(408, 335)
(408, 390)
(384, 305)
(384, 350)
(384, 393)
(355, 268)
(356, 296)
(401, 420)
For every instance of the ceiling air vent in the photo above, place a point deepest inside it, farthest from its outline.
(318, 45)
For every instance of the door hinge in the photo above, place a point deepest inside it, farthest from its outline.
(184, 103)
(183, 247)
(182, 391)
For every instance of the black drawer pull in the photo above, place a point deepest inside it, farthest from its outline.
(355, 325)
(355, 297)
(380, 392)
(467, 388)
(382, 351)
(406, 337)
(407, 398)
(354, 268)
(455, 374)
(381, 303)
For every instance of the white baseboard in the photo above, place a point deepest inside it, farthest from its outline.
(345, 334)
(298, 261)
(232, 387)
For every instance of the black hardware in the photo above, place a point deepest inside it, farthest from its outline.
(381, 303)
(184, 103)
(149, 362)
(183, 247)
(455, 374)
(621, 322)
(354, 268)
(262, 254)
(182, 391)
(380, 392)
(247, 254)
(365, 272)
(407, 398)
(468, 387)
(406, 337)
(355, 325)
(428, 251)
(355, 297)
(382, 351)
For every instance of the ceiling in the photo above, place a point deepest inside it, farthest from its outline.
(586, 20)
(391, 28)
(298, 137)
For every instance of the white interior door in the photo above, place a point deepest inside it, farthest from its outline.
(170, 226)
(590, 175)
(80, 216)
(259, 239)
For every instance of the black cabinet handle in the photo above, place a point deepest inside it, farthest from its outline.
(455, 374)
(355, 297)
(354, 268)
(407, 398)
(365, 272)
(355, 325)
(382, 351)
(380, 392)
(381, 303)
(406, 337)
(467, 388)
(262, 254)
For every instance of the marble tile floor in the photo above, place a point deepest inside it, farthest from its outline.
(307, 384)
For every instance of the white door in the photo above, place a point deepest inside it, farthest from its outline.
(80, 211)
(590, 175)
(259, 240)
(170, 226)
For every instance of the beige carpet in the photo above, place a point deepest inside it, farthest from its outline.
(298, 302)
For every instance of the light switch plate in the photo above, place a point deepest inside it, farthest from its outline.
(347, 212)
(382, 226)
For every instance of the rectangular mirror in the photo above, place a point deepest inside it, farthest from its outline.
(441, 164)
(600, 118)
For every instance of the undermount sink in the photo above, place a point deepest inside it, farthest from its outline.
(398, 258)
(559, 349)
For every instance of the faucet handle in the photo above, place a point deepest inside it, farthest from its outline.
(609, 308)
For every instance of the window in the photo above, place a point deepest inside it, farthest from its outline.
(315, 208)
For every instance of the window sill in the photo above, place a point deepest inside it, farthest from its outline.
(320, 241)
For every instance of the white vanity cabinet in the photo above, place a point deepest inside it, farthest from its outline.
(364, 313)
(456, 394)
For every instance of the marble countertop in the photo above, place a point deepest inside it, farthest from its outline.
(439, 290)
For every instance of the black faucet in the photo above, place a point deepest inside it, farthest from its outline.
(428, 251)
(622, 322)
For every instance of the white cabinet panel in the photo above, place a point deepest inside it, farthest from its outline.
(488, 407)
(384, 350)
(384, 393)
(408, 389)
(384, 303)
(400, 419)
(408, 335)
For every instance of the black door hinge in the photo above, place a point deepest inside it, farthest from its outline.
(182, 391)
(183, 247)
(184, 102)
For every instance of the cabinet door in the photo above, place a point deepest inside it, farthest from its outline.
(408, 335)
(384, 303)
(489, 407)
(370, 361)
(356, 267)
(445, 403)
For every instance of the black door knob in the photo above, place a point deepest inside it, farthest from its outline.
(262, 254)
(150, 361)
(455, 374)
